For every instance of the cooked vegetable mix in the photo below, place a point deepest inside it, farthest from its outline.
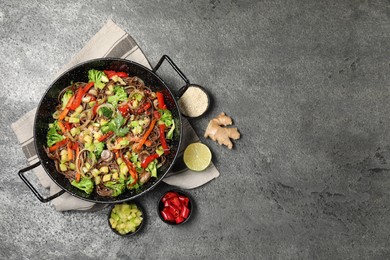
(110, 134)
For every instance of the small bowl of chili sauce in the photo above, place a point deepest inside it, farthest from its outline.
(175, 207)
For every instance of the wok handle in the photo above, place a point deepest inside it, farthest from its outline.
(181, 74)
(36, 193)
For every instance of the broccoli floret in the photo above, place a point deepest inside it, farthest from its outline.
(98, 77)
(65, 97)
(95, 149)
(84, 184)
(129, 181)
(52, 135)
(117, 187)
(152, 168)
(166, 117)
(119, 95)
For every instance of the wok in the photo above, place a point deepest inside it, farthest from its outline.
(80, 73)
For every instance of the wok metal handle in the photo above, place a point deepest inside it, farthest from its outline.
(181, 74)
(36, 193)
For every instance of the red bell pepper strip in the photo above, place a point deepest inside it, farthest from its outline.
(112, 73)
(68, 125)
(58, 145)
(146, 135)
(160, 98)
(95, 108)
(132, 170)
(148, 160)
(79, 95)
(163, 140)
(105, 136)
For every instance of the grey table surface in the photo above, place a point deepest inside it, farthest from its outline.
(307, 84)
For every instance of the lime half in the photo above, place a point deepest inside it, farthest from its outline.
(197, 156)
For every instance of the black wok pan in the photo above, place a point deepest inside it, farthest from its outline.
(49, 101)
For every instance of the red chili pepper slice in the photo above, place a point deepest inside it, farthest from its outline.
(143, 108)
(176, 202)
(174, 211)
(124, 109)
(179, 219)
(156, 114)
(148, 160)
(163, 140)
(184, 200)
(167, 216)
(169, 195)
(185, 212)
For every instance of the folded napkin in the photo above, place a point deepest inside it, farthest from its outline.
(110, 41)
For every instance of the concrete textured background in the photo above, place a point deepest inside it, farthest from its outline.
(307, 84)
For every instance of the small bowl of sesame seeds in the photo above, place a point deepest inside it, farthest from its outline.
(194, 101)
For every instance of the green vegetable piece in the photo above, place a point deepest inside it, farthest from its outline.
(115, 126)
(119, 95)
(65, 97)
(98, 149)
(53, 136)
(98, 77)
(152, 168)
(170, 132)
(117, 187)
(105, 111)
(160, 150)
(84, 184)
(166, 117)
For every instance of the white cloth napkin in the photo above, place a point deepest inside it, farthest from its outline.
(110, 41)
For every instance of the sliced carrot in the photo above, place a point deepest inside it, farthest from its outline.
(78, 176)
(70, 151)
(148, 143)
(62, 127)
(146, 135)
(77, 149)
(66, 110)
(132, 170)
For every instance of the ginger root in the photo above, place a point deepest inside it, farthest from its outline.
(220, 134)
